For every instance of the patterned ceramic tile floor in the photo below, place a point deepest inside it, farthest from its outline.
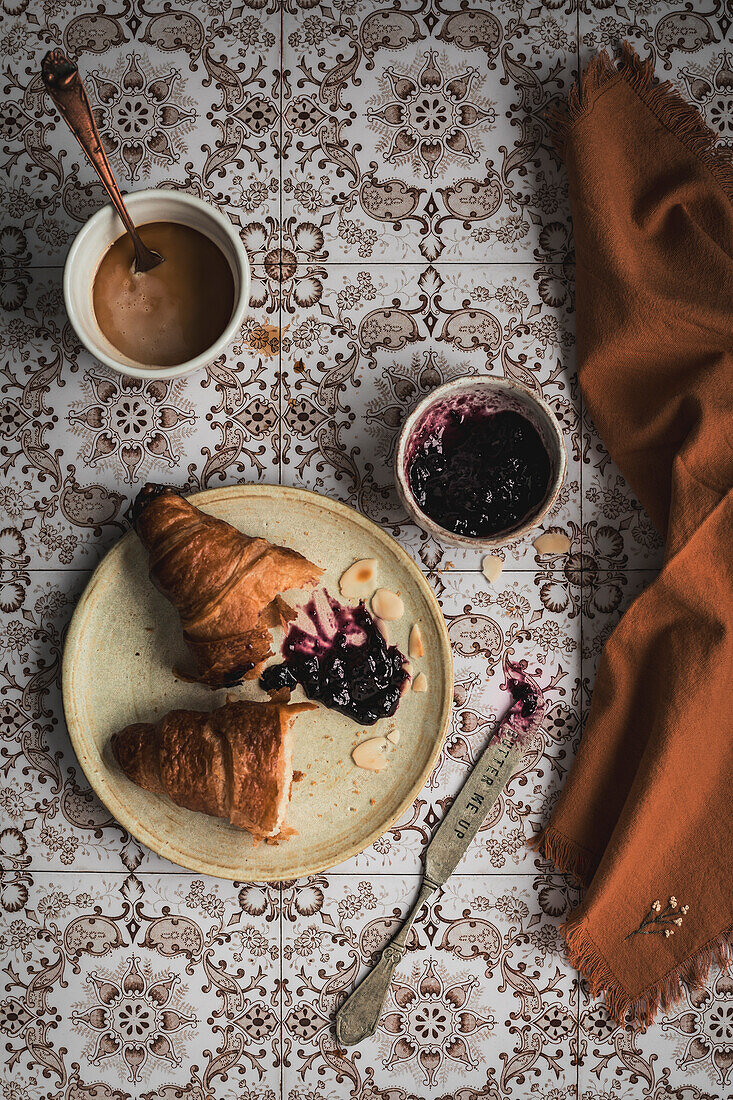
(389, 169)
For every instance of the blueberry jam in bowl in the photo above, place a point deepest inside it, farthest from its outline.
(480, 462)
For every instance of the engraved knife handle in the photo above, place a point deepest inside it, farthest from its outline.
(359, 1014)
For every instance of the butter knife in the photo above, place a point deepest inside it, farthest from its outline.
(359, 1014)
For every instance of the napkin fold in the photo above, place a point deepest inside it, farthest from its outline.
(645, 820)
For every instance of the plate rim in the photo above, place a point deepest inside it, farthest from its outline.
(97, 776)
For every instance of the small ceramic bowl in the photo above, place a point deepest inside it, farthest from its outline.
(103, 229)
(496, 395)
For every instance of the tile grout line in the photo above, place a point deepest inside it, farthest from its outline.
(281, 1005)
(280, 386)
(418, 261)
(281, 995)
(582, 585)
(281, 128)
(357, 872)
(529, 569)
(280, 287)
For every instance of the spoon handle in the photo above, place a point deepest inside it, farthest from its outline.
(62, 82)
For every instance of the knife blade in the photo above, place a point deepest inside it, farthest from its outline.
(359, 1015)
(490, 774)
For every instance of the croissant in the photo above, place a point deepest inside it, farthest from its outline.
(235, 762)
(223, 583)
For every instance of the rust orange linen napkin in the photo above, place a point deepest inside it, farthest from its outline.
(645, 820)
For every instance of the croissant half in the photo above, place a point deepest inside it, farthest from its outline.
(222, 582)
(235, 762)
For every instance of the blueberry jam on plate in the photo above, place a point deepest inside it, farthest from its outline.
(477, 471)
(341, 659)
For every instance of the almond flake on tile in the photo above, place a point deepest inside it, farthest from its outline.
(370, 754)
(359, 579)
(387, 605)
(416, 648)
(491, 567)
(394, 736)
(420, 683)
(552, 542)
(383, 628)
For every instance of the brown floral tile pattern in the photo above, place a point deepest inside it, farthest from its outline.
(77, 441)
(186, 96)
(50, 817)
(372, 341)
(150, 986)
(388, 168)
(400, 140)
(518, 620)
(687, 1054)
(689, 44)
(617, 532)
(56, 822)
(485, 626)
(483, 1004)
(606, 595)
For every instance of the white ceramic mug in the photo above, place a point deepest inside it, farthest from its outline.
(496, 394)
(104, 228)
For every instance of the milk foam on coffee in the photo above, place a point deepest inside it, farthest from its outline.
(166, 316)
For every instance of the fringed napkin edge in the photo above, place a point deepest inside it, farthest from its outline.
(687, 125)
(673, 111)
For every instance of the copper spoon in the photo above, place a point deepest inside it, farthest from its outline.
(62, 82)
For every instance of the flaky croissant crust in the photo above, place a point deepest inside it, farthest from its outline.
(221, 581)
(234, 762)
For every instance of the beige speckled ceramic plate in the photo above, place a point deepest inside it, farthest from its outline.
(124, 641)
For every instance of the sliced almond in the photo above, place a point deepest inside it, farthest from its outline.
(387, 605)
(552, 542)
(360, 579)
(370, 754)
(492, 566)
(383, 628)
(420, 683)
(416, 648)
(394, 736)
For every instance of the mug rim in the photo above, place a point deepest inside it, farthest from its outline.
(243, 272)
(472, 381)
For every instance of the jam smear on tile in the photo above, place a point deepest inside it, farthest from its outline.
(527, 711)
(524, 693)
(341, 659)
(477, 472)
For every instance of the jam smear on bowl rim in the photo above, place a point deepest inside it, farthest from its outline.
(477, 471)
